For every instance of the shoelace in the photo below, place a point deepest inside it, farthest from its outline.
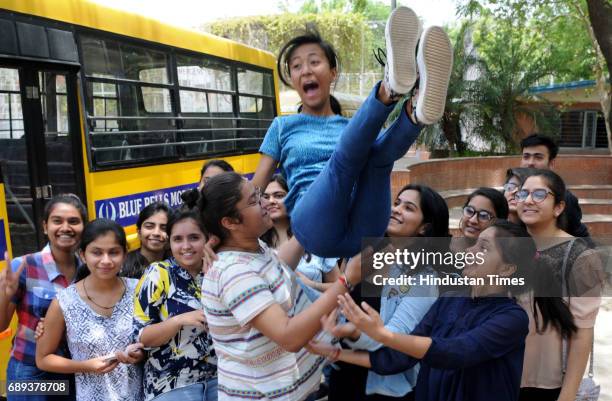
(379, 54)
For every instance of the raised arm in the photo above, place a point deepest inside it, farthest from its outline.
(265, 170)
(293, 333)
(291, 253)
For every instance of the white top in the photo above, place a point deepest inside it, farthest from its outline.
(92, 335)
(237, 288)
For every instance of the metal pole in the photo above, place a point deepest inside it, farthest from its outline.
(393, 4)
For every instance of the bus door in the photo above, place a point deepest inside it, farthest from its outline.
(40, 146)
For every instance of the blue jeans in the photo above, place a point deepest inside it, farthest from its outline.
(351, 197)
(17, 370)
(206, 391)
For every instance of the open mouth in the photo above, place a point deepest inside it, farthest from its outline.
(310, 87)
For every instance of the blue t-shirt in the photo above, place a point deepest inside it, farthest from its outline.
(302, 144)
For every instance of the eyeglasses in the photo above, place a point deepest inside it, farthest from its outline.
(481, 215)
(537, 195)
(510, 187)
(255, 202)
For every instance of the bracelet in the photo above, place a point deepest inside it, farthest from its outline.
(333, 357)
(345, 283)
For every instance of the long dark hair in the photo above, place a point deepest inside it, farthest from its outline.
(94, 230)
(309, 37)
(523, 254)
(218, 200)
(500, 204)
(270, 237)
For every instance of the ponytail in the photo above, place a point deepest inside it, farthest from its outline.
(334, 103)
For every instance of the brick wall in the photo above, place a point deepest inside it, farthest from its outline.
(472, 172)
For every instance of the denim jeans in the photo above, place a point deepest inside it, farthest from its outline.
(351, 197)
(206, 391)
(17, 370)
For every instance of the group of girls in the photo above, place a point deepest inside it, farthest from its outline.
(247, 329)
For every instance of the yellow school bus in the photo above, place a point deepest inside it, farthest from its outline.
(119, 109)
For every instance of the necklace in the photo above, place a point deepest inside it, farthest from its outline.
(97, 304)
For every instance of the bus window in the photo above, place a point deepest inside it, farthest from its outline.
(128, 100)
(209, 116)
(256, 102)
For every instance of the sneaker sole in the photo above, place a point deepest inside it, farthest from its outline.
(435, 62)
(402, 35)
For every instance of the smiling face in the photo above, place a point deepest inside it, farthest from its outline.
(104, 256)
(406, 215)
(491, 255)
(152, 233)
(274, 196)
(64, 227)
(311, 76)
(255, 218)
(471, 227)
(187, 244)
(537, 213)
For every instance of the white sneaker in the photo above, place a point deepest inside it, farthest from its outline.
(401, 35)
(435, 62)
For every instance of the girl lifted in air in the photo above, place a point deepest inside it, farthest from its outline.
(338, 169)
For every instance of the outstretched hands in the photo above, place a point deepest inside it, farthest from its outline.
(366, 319)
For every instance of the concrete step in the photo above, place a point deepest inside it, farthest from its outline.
(596, 206)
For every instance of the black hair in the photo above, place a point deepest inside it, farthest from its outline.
(434, 209)
(524, 255)
(150, 210)
(69, 199)
(537, 140)
(185, 214)
(134, 265)
(94, 230)
(519, 172)
(222, 164)
(309, 37)
(500, 204)
(270, 237)
(557, 187)
(218, 200)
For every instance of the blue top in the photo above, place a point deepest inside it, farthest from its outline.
(476, 352)
(316, 267)
(302, 144)
(401, 309)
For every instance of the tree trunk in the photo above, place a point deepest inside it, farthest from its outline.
(600, 30)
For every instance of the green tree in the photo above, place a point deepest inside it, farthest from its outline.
(579, 31)
(273, 31)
